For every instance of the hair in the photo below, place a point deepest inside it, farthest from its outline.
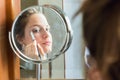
(21, 22)
(101, 31)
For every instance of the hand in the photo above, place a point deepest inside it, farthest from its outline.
(33, 50)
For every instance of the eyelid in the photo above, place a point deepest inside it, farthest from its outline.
(48, 26)
(36, 29)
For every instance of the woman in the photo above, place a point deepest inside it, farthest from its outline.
(101, 29)
(32, 34)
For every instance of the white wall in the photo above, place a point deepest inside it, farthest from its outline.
(74, 56)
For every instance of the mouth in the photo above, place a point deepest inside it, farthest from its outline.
(47, 43)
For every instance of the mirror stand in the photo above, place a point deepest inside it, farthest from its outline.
(38, 71)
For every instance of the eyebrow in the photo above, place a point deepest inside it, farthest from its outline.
(48, 26)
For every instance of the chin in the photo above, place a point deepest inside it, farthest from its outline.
(48, 50)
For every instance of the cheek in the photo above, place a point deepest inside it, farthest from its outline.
(95, 76)
(38, 38)
(27, 39)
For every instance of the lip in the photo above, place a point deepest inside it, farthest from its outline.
(48, 43)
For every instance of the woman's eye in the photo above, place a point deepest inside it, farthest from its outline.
(36, 30)
(47, 29)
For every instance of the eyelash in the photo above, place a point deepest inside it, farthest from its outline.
(36, 30)
(47, 29)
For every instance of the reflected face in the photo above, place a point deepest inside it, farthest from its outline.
(39, 26)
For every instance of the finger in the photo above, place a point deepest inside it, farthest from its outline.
(40, 50)
(30, 50)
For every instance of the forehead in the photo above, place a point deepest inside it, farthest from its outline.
(37, 18)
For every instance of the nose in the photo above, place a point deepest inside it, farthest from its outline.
(45, 34)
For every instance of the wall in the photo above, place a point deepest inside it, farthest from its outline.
(3, 53)
(9, 63)
(75, 68)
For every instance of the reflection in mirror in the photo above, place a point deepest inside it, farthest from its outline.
(32, 33)
(40, 34)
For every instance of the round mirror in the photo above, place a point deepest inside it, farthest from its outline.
(40, 34)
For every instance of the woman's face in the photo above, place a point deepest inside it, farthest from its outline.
(39, 26)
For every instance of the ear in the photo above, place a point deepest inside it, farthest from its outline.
(19, 39)
(94, 73)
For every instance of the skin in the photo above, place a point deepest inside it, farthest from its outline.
(39, 26)
(93, 72)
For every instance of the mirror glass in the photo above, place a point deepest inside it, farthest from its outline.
(40, 34)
